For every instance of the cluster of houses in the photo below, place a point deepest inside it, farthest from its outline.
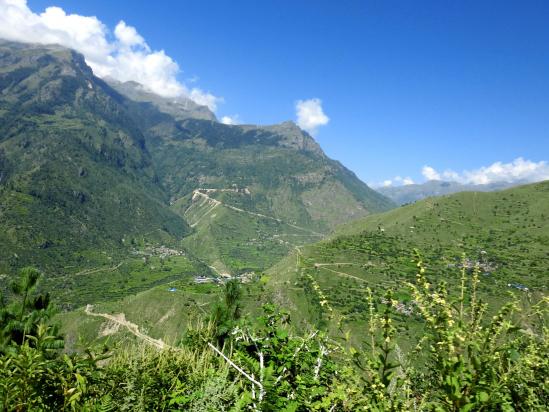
(223, 278)
(483, 264)
(518, 286)
(160, 251)
(234, 189)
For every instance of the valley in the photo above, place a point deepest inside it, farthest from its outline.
(101, 175)
(145, 244)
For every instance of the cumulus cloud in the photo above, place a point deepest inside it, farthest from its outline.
(123, 55)
(519, 170)
(233, 119)
(429, 173)
(310, 115)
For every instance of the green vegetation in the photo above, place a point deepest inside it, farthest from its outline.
(75, 176)
(504, 233)
(139, 211)
(276, 188)
(88, 173)
(468, 362)
(235, 241)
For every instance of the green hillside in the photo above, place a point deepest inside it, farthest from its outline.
(92, 181)
(76, 181)
(505, 233)
(278, 178)
(234, 239)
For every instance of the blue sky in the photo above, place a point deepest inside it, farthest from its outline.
(451, 84)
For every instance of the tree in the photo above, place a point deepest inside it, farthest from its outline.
(27, 313)
(225, 314)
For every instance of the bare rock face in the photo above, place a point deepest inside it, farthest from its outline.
(180, 108)
(294, 137)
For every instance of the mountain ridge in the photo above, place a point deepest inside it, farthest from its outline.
(136, 166)
(418, 191)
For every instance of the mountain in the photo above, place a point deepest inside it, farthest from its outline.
(505, 233)
(251, 193)
(179, 108)
(326, 284)
(76, 176)
(414, 192)
(110, 189)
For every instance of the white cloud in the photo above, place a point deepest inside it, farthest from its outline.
(429, 173)
(395, 181)
(515, 171)
(233, 119)
(310, 115)
(128, 36)
(519, 170)
(123, 55)
(205, 99)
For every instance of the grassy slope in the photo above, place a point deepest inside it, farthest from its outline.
(158, 312)
(511, 227)
(236, 241)
(360, 255)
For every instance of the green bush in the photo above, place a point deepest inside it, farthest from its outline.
(465, 360)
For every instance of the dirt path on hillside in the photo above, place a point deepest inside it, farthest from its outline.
(90, 271)
(345, 275)
(337, 264)
(120, 319)
(216, 202)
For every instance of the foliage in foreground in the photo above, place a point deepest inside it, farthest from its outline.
(463, 362)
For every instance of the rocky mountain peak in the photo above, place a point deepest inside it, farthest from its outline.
(180, 107)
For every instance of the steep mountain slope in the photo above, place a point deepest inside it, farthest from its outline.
(76, 178)
(412, 193)
(250, 192)
(180, 108)
(506, 233)
(93, 183)
(272, 187)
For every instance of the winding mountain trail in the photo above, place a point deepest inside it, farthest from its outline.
(337, 264)
(215, 203)
(95, 270)
(345, 274)
(299, 255)
(120, 319)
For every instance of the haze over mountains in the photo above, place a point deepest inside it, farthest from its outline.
(413, 192)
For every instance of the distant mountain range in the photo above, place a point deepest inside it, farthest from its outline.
(412, 193)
